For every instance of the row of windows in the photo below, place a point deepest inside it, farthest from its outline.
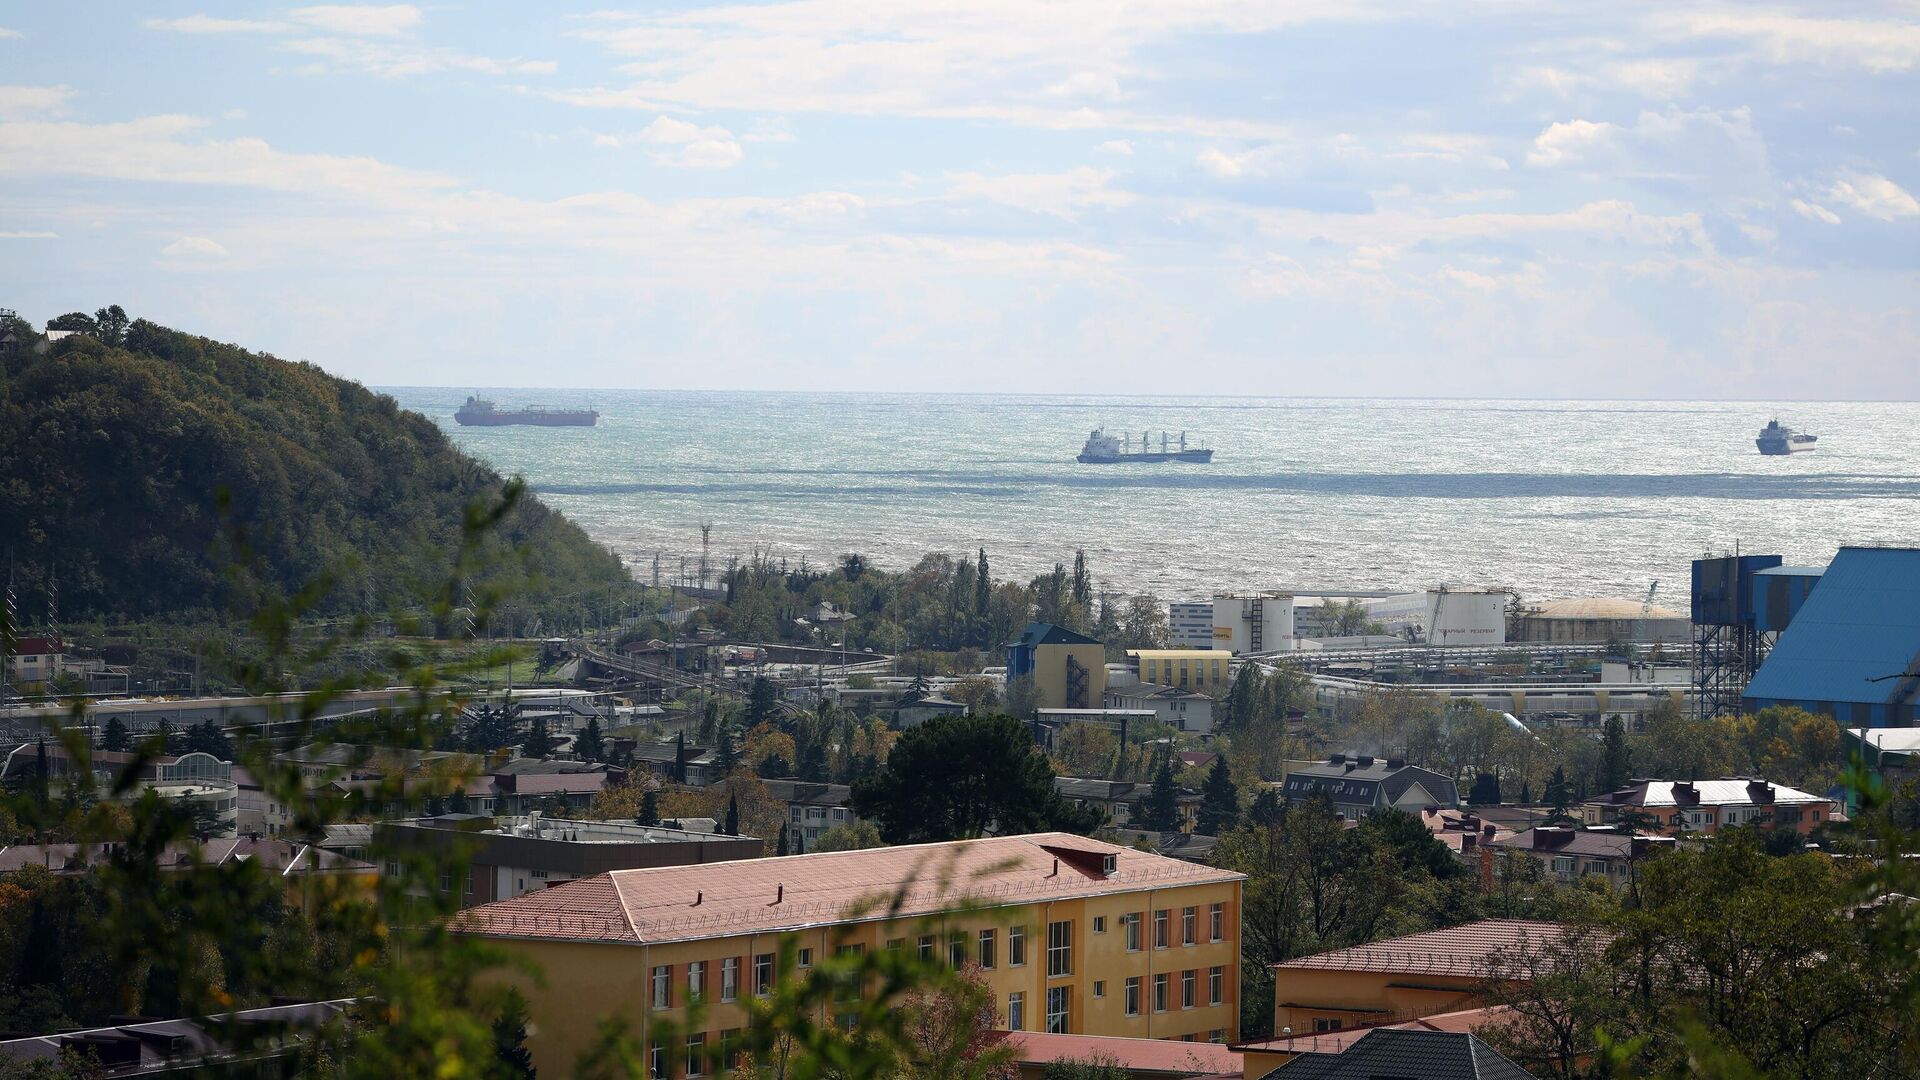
(1163, 924)
(1060, 997)
(661, 996)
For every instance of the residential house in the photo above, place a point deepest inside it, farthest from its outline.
(1117, 798)
(1081, 938)
(812, 809)
(1569, 854)
(1358, 784)
(1706, 806)
(1401, 1052)
(1183, 710)
(34, 662)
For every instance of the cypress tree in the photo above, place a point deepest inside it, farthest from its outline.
(649, 809)
(1219, 801)
(1615, 761)
(539, 744)
(781, 847)
(114, 737)
(732, 827)
(1160, 810)
(510, 1038)
(591, 746)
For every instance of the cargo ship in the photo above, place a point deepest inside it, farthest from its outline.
(1776, 440)
(1105, 449)
(479, 412)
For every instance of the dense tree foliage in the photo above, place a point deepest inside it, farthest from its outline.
(127, 453)
(960, 777)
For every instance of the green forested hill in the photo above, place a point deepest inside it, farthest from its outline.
(114, 458)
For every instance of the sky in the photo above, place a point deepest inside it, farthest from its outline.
(1511, 198)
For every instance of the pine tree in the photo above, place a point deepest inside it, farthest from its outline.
(1219, 801)
(539, 744)
(732, 826)
(1486, 789)
(1559, 796)
(510, 1038)
(726, 757)
(114, 736)
(591, 746)
(1160, 810)
(649, 809)
(1266, 809)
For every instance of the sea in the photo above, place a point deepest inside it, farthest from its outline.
(1551, 499)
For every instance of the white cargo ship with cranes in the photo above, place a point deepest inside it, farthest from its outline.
(1105, 449)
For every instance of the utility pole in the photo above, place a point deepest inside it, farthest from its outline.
(706, 541)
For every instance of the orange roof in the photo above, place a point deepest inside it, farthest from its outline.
(1169, 1056)
(757, 896)
(1334, 1042)
(1457, 950)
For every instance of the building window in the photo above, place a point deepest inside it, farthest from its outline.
(926, 948)
(663, 986)
(1217, 1035)
(1132, 922)
(697, 1054)
(897, 943)
(1099, 924)
(804, 958)
(1563, 864)
(1133, 996)
(657, 1062)
(1216, 985)
(1016, 1012)
(1059, 949)
(987, 941)
(1323, 1024)
(730, 1049)
(1058, 998)
(763, 974)
(1189, 926)
(1160, 992)
(957, 949)
(696, 979)
(1016, 946)
(1161, 921)
(1217, 923)
(1188, 984)
(1099, 988)
(729, 978)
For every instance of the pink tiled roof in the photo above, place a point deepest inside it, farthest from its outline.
(1456, 950)
(1169, 1056)
(1334, 1042)
(751, 896)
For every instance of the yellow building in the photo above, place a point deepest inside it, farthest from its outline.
(1074, 936)
(1390, 982)
(1199, 670)
(1069, 670)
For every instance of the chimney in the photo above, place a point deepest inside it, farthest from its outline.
(1365, 760)
(1468, 842)
(698, 895)
(1336, 759)
(1396, 763)
(779, 893)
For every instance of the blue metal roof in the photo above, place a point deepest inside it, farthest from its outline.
(1861, 623)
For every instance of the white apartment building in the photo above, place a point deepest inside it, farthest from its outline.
(1190, 624)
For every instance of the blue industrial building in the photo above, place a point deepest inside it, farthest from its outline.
(1852, 649)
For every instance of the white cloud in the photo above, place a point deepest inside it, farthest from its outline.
(769, 129)
(1569, 141)
(1873, 45)
(1875, 196)
(1116, 146)
(212, 24)
(9, 32)
(397, 60)
(20, 102)
(1217, 162)
(1064, 194)
(195, 247)
(27, 234)
(679, 144)
(1815, 211)
(365, 20)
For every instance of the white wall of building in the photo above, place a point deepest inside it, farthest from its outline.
(1244, 624)
(1450, 617)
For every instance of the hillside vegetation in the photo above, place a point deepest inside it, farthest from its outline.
(120, 446)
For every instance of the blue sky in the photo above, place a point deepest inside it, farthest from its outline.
(1509, 198)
